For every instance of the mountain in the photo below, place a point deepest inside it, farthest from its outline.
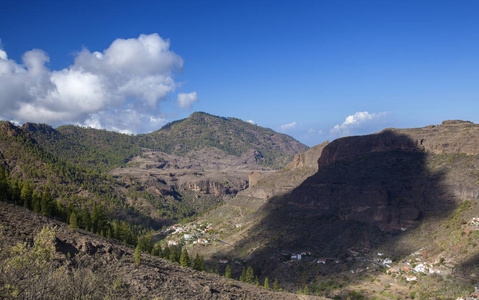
(409, 193)
(142, 179)
(231, 135)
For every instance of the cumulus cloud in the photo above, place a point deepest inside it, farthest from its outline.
(289, 126)
(251, 122)
(116, 89)
(186, 100)
(359, 123)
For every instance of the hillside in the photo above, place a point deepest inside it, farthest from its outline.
(409, 193)
(87, 168)
(231, 135)
(63, 264)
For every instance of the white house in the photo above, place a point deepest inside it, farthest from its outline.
(296, 256)
(387, 261)
(411, 278)
(420, 268)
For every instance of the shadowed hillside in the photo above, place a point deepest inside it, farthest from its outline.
(397, 191)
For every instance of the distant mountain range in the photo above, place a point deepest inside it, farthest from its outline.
(77, 164)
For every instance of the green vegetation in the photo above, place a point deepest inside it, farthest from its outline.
(231, 135)
(28, 272)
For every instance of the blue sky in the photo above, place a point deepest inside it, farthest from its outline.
(315, 70)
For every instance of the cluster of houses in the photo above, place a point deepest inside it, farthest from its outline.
(420, 268)
(189, 234)
(474, 222)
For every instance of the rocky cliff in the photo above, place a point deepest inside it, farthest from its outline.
(395, 177)
(267, 184)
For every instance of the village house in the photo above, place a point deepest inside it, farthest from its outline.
(321, 261)
(434, 271)
(296, 256)
(223, 261)
(411, 278)
(172, 243)
(391, 271)
(474, 222)
(387, 261)
(405, 269)
(202, 241)
(420, 268)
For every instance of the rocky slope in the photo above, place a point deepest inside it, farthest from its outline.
(266, 184)
(87, 254)
(395, 177)
(398, 191)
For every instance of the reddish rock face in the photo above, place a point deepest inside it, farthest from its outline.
(390, 178)
(449, 137)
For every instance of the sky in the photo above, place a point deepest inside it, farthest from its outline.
(315, 70)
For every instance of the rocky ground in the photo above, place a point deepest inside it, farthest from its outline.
(154, 278)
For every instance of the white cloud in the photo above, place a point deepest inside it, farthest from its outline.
(185, 100)
(315, 131)
(116, 89)
(289, 126)
(251, 122)
(359, 123)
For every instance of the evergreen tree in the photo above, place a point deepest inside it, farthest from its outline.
(99, 219)
(59, 211)
(70, 209)
(185, 258)
(137, 255)
(16, 189)
(47, 203)
(73, 221)
(276, 284)
(266, 283)
(228, 271)
(243, 275)
(36, 205)
(197, 263)
(85, 219)
(172, 256)
(26, 195)
(306, 290)
(249, 275)
(166, 253)
(3, 184)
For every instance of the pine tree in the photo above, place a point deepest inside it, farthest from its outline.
(26, 195)
(70, 209)
(306, 290)
(166, 253)
(85, 219)
(16, 192)
(137, 255)
(73, 221)
(250, 275)
(266, 283)
(276, 284)
(243, 275)
(228, 271)
(36, 205)
(3, 184)
(202, 263)
(198, 263)
(173, 256)
(185, 259)
(47, 203)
